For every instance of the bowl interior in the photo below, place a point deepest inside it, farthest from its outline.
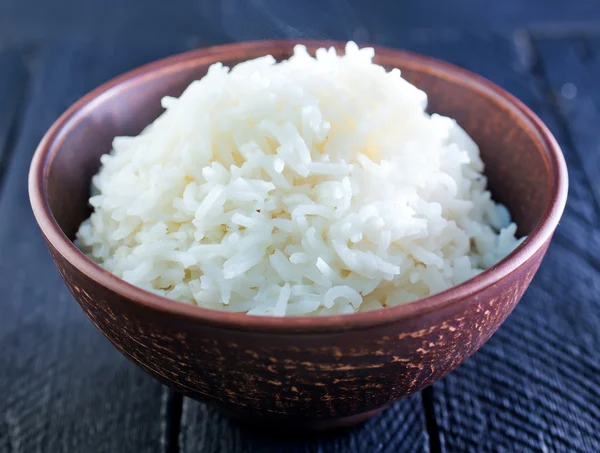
(516, 163)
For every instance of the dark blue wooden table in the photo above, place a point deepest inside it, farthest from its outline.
(535, 387)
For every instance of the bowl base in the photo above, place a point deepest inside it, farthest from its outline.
(305, 425)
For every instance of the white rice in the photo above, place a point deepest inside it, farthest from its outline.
(315, 186)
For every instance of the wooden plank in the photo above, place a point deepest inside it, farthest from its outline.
(574, 86)
(401, 427)
(64, 387)
(580, 226)
(572, 109)
(534, 386)
(13, 82)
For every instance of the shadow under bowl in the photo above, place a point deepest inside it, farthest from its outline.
(307, 373)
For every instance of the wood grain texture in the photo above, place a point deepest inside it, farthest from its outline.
(400, 428)
(13, 83)
(572, 69)
(580, 226)
(63, 387)
(534, 386)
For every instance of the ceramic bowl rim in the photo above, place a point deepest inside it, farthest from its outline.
(540, 235)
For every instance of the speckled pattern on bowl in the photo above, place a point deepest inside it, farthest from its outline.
(312, 373)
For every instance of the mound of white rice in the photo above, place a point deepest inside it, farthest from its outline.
(314, 186)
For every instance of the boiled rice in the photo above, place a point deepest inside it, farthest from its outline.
(314, 186)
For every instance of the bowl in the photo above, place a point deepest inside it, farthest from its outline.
(299, 373)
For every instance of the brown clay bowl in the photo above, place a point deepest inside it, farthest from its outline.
(303, 372)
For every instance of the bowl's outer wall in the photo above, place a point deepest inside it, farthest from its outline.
(327, 374)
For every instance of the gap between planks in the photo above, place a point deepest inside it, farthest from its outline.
(172, 409)
(431, 424)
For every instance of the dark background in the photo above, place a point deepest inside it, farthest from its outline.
(234, 20)
(535, 387)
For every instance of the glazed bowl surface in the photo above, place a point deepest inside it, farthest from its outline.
(313, 373)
